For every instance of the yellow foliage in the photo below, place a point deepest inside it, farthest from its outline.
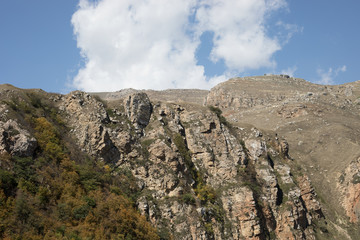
(55, 197)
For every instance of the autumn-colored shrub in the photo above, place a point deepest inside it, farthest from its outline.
(58, 194)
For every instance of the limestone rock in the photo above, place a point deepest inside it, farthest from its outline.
(86, 116)
(197, 176)
(309, 197)
(240, 207)
(349, 185)
(138, 108)
(256, 148)
(15, 140)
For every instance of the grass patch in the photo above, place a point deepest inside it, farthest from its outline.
(188, 198)
(99, 99)
(145, 147)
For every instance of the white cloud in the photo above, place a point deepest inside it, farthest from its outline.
(289, 71)
(239, 32)
(287, 31)
(152, 43)
(327, 77)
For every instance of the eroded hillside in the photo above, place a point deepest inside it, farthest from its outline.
(321, 125)
(141, 165)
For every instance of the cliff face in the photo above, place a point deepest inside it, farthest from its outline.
(193, 171)
(321, 125)
(200, 177)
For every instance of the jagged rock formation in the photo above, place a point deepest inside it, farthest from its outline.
(15, 140)
(195, 171)
(320, 124)
(138, 109)
(349, 186)
(242, 167)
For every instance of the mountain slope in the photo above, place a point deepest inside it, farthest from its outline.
(320, 123)
(242, 167)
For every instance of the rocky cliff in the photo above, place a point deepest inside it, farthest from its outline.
(253, 158)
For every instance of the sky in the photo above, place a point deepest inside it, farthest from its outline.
(108, 45)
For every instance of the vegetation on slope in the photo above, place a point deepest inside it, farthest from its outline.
(60, 193)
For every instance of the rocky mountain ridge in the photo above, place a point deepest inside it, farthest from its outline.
(233, 168)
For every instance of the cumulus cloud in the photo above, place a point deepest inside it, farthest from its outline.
(327, 77)
(289, 71)
(152, 43)
(290, 30)
(239, 32)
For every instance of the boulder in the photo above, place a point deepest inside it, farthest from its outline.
(16, 140)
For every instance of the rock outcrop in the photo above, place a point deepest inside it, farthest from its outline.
(316, 126)
(205, 178)
(86, 116)
(16, 140)
(225, 170)
(349, 185)
(138, 109)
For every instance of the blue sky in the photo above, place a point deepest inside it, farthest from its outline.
(60, 46)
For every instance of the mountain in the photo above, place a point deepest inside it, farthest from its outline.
(267, 157)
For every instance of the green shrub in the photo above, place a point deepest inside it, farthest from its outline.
(181, 146)
(188, 198)
(89, 178)
(356, 178)
(218, 112)
(145, 147)
(342, 178)
(22, 208)
(11, 104)
(205, 193)
(80, 212)
(23, 167)
(7, 182)
(35, 100)
(209, 229)
(63, 211)
(44, 195)
(48, 139)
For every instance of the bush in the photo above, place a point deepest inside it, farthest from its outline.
(205, 193)
(356, 178)
(22, 208)
(63, 211)
(181, 146)
(188, 198)
(48, 139)
(35, 100)
(24, 168)
(7, 182)
(216, 110)
(218, 113)
(80, 212)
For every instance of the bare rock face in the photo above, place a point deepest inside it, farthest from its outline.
(349, 185)
(308, 195)
(321, 127)
(86, 116)
(240, 206)
(212, 146)
(256, 196)
(199, 172)
(205, 178)
(15, 140)
(138, 109)
(256, 148)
